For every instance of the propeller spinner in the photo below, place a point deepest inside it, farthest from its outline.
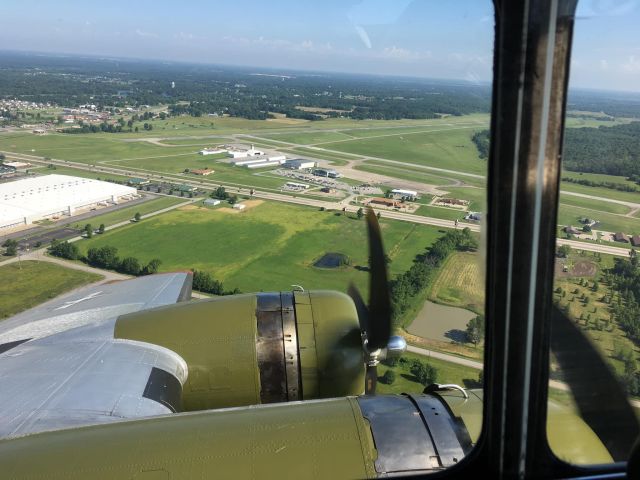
(375, 319)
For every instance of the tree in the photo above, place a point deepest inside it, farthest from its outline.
(425, 374)
(136, 217)
(151, 267)
(564, 251)
(103, 257)
(360, 213)
(232, 199)
(11, 247)
(220, 193)
(131, 266)
(64, 250)
(475, 330)
(101, 228)
(88, 230)
(389, 377)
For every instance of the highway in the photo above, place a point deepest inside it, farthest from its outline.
(302, 200)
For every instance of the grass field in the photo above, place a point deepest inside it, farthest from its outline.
(459, 282)
(268, 247)
(127, 213)
(443, 148)
(601, 192)
(569, 215)
(598, 205)
(76, 172)
(32, 283)
(308, 138)
(447, 373)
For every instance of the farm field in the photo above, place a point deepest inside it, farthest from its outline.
(127, 213)
(270, 246)
(17, 284)
(459, 282)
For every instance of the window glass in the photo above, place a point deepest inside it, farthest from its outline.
(596, 273)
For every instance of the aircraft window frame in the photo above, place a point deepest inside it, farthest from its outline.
(530, 84)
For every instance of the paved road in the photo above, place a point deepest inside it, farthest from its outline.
(555, 384)
(301, 200)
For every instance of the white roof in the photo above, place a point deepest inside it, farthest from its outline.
(49, 194)
(404, 192)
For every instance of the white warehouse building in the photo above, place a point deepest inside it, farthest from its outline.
(24, 201)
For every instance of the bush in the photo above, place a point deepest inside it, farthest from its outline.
(425, 374)
(64, 249)
(389, 377)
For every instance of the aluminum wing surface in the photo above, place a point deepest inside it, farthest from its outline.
(61, 367)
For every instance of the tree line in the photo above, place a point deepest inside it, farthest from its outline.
(106, 258)
(611, 185)
(404, 288)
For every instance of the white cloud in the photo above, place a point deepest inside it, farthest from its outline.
(144, 34)
(632, 64)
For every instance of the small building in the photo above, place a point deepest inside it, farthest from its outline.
(635, 240)
(211, 151)
(404, 194)
(475, 216)
(278, 158)
(7, 171)
(620, 237)
(137, 182)
(203, 172)
(387, 202)
(454, 201)
(239, 206)
(17, 165)
(571, 230)
(212, 202)
(297, 186)
(299, 164)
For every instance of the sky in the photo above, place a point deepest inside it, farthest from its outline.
(425, 38)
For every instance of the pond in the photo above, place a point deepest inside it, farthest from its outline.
(332, 260)
(440, 322)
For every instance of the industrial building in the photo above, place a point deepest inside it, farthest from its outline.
(25, 201)
(404, 194)
(211, 151)
(300, 164)
(252, 152)
(325, 172)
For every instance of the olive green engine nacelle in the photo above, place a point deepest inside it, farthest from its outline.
(258, 348)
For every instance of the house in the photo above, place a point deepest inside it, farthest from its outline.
(212, 202)
(620, 237)
(387, 202)
(571, 230)
(204, 172)
(635, 240)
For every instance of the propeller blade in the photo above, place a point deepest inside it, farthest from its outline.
(361, 308)
(600, 398)
(379, 302)
(371, 380)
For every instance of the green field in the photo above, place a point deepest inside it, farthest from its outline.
(76, 172)
(127, 213)
(570, 215)
(447, 373)
(601, 192)
(460, 283)
(449, 148)
(308, 138)
(592, 204)
(268, 247)
(30, 283)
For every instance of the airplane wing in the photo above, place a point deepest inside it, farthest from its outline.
(61, 366)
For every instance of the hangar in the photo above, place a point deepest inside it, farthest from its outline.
(24, 201)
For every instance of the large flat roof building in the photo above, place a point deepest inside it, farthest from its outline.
(25, 201)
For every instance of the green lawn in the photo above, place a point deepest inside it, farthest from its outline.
(127, 213)
(268, 247)
(76, 172)
(308, 138)
(447, 373)
(601, 192)
(32, 283)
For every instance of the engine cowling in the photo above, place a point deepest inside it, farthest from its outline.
(258, 348)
